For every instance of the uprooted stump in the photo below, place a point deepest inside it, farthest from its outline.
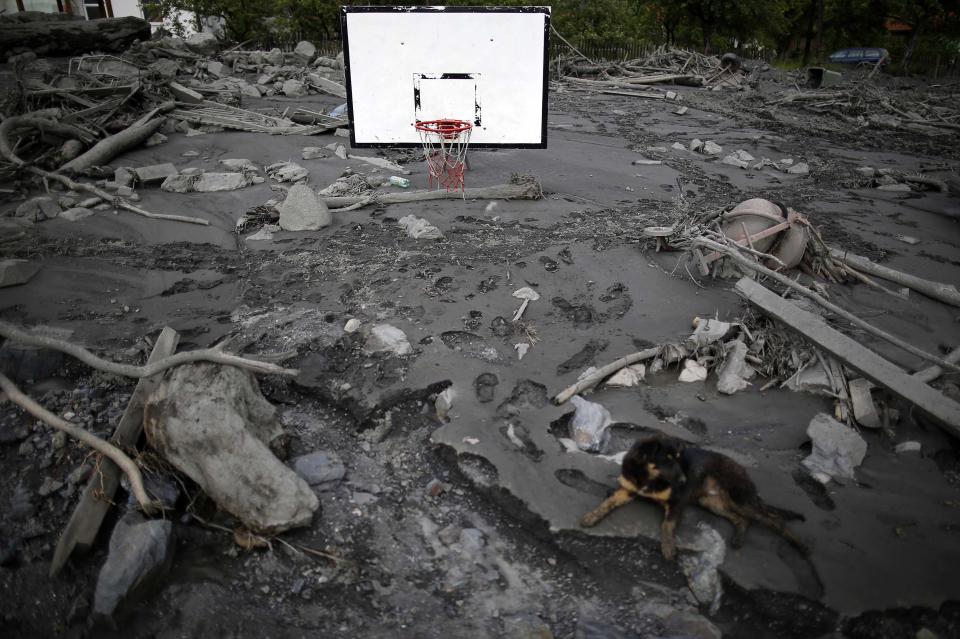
(213, 424)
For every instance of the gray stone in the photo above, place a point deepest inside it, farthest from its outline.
(49, 486)
(213, 424)
(895, 188)
(287, 172)
(305, 52)
(312, 153)
(165, 67)
(701, 568)
(155, 173)
(837, 448)
(294, 89)
(319, 467)
(265, 233)
(302, 210)
(213, 182)
(39, 209)
(155, 139)
(387, 338)
(588, 628)
(733, 160)
(275, 57)
(14, 272)
(205, 44)
(525, 626)
(449, 535)
(217, 69)
(141, 551)
(800, 168)
(419, 228)
(178, 183)
(241, 165)
(712, 148)
(123, 176)
(690, 625)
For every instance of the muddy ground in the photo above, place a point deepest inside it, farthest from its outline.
(497, 552)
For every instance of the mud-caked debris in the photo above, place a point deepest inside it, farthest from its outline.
(837, 449)
(387, 338)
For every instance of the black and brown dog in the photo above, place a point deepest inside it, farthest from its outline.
(676, 474)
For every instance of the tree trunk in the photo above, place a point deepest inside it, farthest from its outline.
(911, 46)
(811, 15)
(820, 32)
(72, 37)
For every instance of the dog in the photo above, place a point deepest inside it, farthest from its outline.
(675, 474)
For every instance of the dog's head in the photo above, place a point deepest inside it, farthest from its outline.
(656, 459)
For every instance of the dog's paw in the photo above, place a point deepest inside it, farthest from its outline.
(589, 520)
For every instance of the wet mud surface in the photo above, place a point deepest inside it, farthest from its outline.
(497, 551)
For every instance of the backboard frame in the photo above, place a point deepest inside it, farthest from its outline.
(347, 10)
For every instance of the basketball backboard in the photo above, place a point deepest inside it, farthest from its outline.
(484, 65)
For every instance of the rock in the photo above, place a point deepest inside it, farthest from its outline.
(141, 551)
(287, 172)
(352, 325)
(213, 424)
(733, 160)
(837, 449)
(240, 165)
(123, 176)
(179, 183)
(907, 447)
(696, 144)
(275, 57)
(588, 628)
(387, 338)
(155, 173)
(866, 171)
(676, 146)
(214, 182)
(14, 272)
(693, 371)
(690, 625)
(895, 188)
(302, 210)
(434, 488)
(743, 155)
(49, 486)
(155, 139)
(305, 52)
(38, 209)
(701, 567)
(265, 233)
(217, 69)
(800, 168)
(340, 151)
(319, 467)
(294, 89)
(419, 228)
(203, 43)
(707, 331)
(312, 153)
(165, 67)
(712, 148)
(449, 535)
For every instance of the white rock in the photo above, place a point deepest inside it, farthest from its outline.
(213, 182)
(294, 89)
(837, 449)
(627, 376)
(676, 146)
(302, 210)
(693, 371)
(217, 69)
(743, 155)
(305, 52)
(275, 57)
(76, 213)
(203, 43)
(712, 148)
(265, 233)
(696, 144)
(352, 325)
(419, 228)
(521, 349)
(241, 165)
(733, 160)
(387, 338)
(801, 168)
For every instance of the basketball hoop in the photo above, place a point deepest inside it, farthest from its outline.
(445, 145)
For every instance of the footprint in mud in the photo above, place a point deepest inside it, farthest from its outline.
(816, 491)
(526, 394)
(549, 264)
(577, 480)
(584, 357)
(471, 345)
(565, 256)
(485, 385)
(501, 326)
(488, 284)
(581, 314)
(472, 321)
(519, 436)
(614, 292)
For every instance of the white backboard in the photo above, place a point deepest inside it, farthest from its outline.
(485, 65)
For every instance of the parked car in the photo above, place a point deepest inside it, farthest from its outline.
(860, 56)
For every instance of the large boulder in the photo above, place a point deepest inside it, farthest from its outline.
(305, 52)
(212, 423)
(303, 210)
(203, 43)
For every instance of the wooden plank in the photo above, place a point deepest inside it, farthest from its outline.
(81, 531)
(944, 410)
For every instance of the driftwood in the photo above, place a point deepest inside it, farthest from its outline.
(833, 308)
(129, 468)
(215, 355)
(81, 531)
(604, 372)
(72, 37)
(529, 190)
(854, 355)
(42, 124)
(110, 147)
(946, 293)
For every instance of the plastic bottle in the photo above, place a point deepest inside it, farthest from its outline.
(399, 181)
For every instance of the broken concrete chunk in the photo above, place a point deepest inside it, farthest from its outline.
(287, 172)
(14, 272)
(155, 173)
(183, 94)
(864, 410)
(213, 424)
(302, 210)
(837, 449)
(213, 182)
(327, 85)
(419, 229)
(203, 43)
(140, 554)
(387, 338)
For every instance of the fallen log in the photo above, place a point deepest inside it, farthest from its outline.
(529, 190)
(946, 293)
(830, 306)
(42, 124)
(72, 37)
(813, 328)
(81, 531)
(110, 147)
